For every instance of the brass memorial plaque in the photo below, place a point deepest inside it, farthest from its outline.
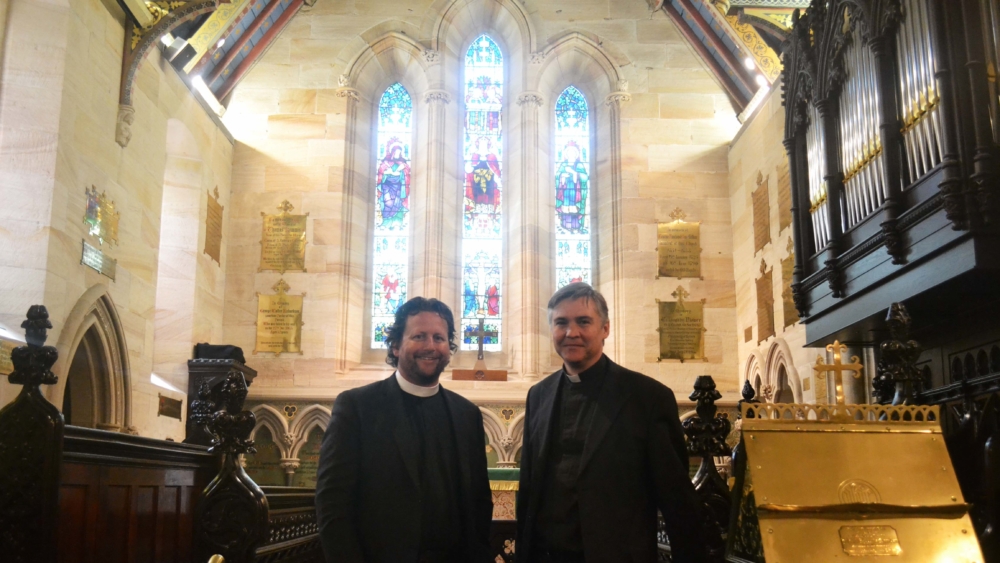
(765, 303)
(283, 241)
(213, 227)
(101, 217)
(6, 347)
(861, 541)
(761, 215)
(682, 328)
(784, 197)
(279, 321)
(169, 407)
(791, 314)
(678, 247)
(99, 261)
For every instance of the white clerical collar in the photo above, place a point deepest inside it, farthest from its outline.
(416, 390)
(572, 378)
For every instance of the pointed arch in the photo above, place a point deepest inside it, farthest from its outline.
(572, 195)
(517, 435)
(777, 362)
(753, 372)
(383, 59)
(275, 422)
(496, 431)
(448, 18)
(583, 58)
(313, 416)
(95, 315)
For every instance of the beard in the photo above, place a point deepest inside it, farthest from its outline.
(417, 371)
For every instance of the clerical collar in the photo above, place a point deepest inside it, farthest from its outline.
(593, 373)
(416, 390)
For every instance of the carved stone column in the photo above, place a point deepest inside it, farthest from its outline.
(527, 240)
(289, 464)
(433, 229)
(614, 101)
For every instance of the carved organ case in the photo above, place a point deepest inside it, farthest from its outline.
(891, 131)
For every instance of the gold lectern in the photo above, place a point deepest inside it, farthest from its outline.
(858, 483)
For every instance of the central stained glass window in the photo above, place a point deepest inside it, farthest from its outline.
(482, 239)
(572, 181)
(392, 209)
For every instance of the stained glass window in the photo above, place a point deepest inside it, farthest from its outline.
(572, 181)
(392, 209)
(481, 232)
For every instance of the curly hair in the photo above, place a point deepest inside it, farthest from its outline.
(412, 307)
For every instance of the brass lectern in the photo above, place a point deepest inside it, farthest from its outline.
(858, 483)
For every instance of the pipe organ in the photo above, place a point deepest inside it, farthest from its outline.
(861, 145)
(918, 91)
(818, 208)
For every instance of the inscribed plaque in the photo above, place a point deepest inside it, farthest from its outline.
(6, 347)
(283, 240)
(213, 227)
(99, 261)
(169, 407)
(765, 304)
(101, 218)
(264, 467)
(791, 314)
(678, 248)
(682, 328)
(784, 197)
(279, 322)
(305, 475)
(761, 215)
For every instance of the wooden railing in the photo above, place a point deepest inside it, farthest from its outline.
(73, 494)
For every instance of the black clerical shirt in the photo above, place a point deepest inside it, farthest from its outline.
(441, 526)
(558, 524)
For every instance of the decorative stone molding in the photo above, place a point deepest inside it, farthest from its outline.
(537, 58)
(288, 438)
(532, 98)
(349, 93)
(437, 96)
(623, 85)
(123, 125)
(431, 56)
(617, 98)
(344, 81)
(289, 465)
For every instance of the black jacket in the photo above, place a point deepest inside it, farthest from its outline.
(367, 490)
(634, 462)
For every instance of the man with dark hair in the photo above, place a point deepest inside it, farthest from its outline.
(402, 470)
(603, 450)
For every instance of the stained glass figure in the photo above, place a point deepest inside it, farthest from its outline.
(392, 208)
(482, 237)
(572, 182)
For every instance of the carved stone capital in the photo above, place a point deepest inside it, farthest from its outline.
(289, 464)
(344, 81)
(431, 56)
(350, 93)
(530, 98)
(537, 58)
(623, 85)
(288, 438)
(123, 125)
(617, 99)
(437, 97)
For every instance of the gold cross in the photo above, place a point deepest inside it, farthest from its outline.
(678, 215)
(838, 368)
(286, 207)
(680, 294)
(281, 287)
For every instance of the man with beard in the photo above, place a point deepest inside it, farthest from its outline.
(402, 471)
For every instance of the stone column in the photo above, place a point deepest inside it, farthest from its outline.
(352, 97)
(289, 464)
(528, 247)
(433, 229)
(616, 303)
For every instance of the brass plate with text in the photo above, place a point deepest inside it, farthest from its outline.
(213, 227)
(861, 541)
(761, 215)
(6, 365)
(99, 261)
(283, 241)
(279, 322)
(169, 407)
(784, 197)
(765, 303)
(678, 249)
(682, 328)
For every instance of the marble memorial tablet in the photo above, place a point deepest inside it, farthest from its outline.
(99, 261)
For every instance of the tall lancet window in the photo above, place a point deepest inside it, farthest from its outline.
(392, 209)
(572, 183)
(482, 238)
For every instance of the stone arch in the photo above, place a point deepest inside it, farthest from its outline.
(445, 17)
(579, 58)
(753, 372)
(275, 422)
(517, 435)
(384, 59)
(94, 324)
(496, 432)
(314, 416)
(777, 364)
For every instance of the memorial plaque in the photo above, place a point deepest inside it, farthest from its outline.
(279, 322)
(6, 347)
(213, 227)
(101, 217)
(765, 304)
(264, 467)
(305, 475)
(169, 407)
(791, 314)
(761, 215)
(682, 328)
(99, 261)
(678, 248)
(283, 241)
(784, 197)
